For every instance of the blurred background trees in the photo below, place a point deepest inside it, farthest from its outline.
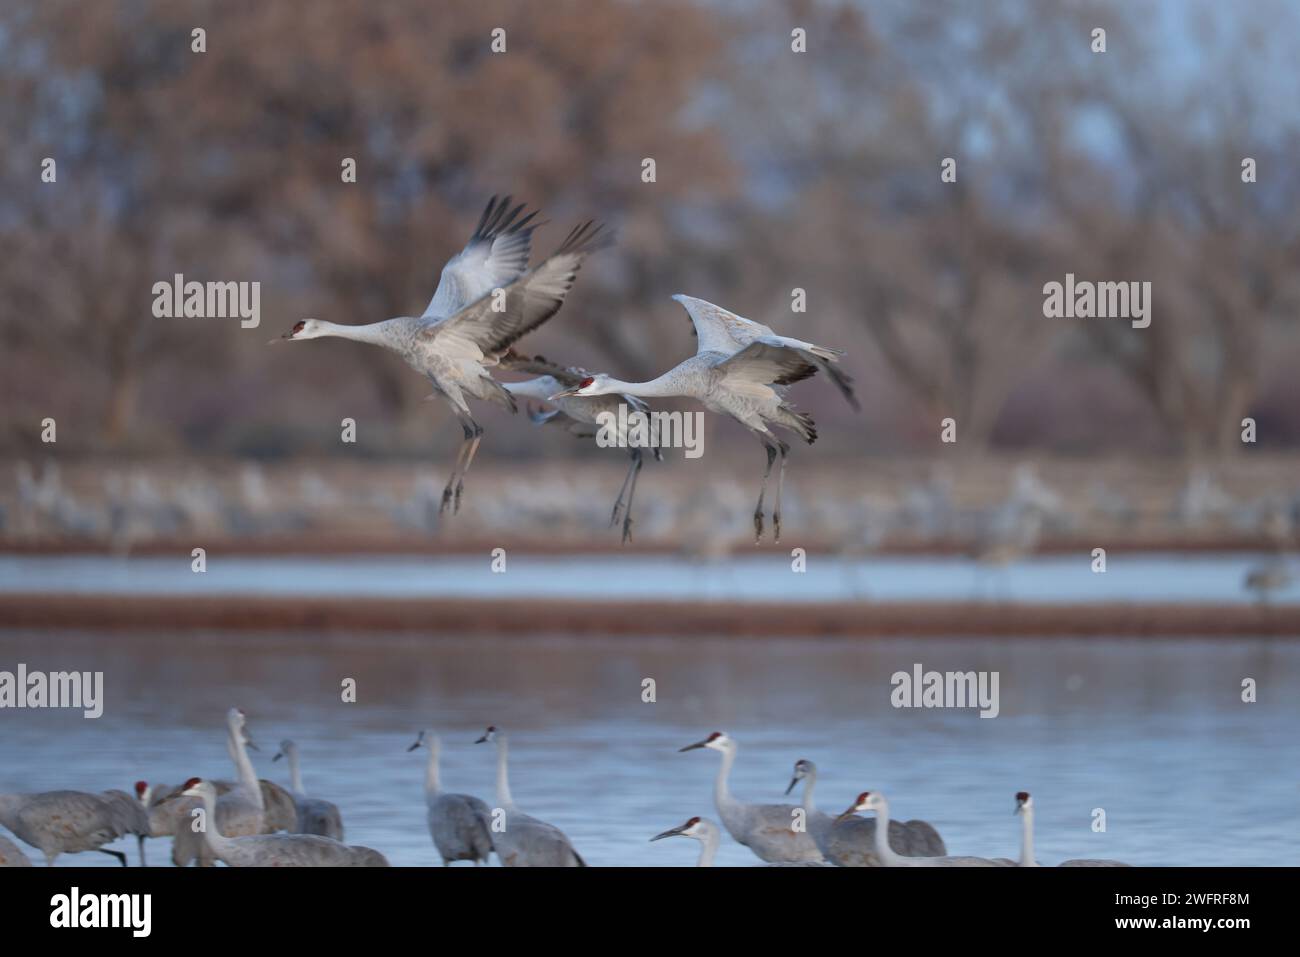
(775, 170)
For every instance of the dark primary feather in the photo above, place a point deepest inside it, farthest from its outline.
(529, 300)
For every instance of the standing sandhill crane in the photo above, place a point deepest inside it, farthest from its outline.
(581, 416)
(875, 801)
(733, 373)
(240, 811)
(699, 829)
(1025, 808)
(486, 299)
(460, 824)
(67, 822)
(525, 841)
(766, 829)
(11, 855)
(274, 850)
(852, 842)
(313, 815)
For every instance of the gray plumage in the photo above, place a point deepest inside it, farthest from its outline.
(581, 416)
(68, 822)
(875, 801)
(11, 855)
(525, 841)
(740, 369)
(851, 842)
(311, 815)
(459, 824)
(276, 850)
(766, 829)
(485, 301)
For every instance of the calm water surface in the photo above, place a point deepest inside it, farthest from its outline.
(1153, 732)
(1047, 578)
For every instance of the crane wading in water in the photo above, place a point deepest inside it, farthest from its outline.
(739, 369)
(486, 299)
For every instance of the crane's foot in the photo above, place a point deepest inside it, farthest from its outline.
(446, 500)
(758, 527)
(776, 527)
(627, 530)
(460, 487)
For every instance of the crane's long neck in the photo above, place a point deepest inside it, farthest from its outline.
(244, 767)
(721, 792)
(809, 782)
(295, 773)
(1027, 838)
(503, 777)
(431, 776)
(883, 850)
(709, 842)
(375, 333)
(216, 841)
(663, 386)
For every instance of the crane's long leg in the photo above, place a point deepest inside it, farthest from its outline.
(469, 460)
(140, 838)
(618, 502)
(627, 516)
(450, 490)
(118, 854)
(762, 492)
(780, 483)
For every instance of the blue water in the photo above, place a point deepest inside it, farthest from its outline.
(1129, 578)
(1154, 733)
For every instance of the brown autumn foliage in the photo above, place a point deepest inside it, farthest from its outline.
(776, 170)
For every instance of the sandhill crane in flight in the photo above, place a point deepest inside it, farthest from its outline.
(580, 416)
(739, 370)
(525, 841)
(313, 815)
(460, 824)
(274, 850)
(486, 299)
(766, 829)
(875, 801)
(851, 842)
(67, 822)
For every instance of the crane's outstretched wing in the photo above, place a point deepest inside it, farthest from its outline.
(497, 254)
(492, 323)
(768, 361)
(719, 330)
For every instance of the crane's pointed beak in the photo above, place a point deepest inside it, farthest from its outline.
(278, 756)
(793, 782)
(416, 745)
(692, 747)
(561, 395)
(851, 812)
(482, 740)
(671, 832)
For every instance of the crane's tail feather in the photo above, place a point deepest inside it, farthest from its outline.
(800, 423)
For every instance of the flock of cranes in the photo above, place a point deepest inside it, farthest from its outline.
(249, 822)
(487, 299)
(785, 835)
